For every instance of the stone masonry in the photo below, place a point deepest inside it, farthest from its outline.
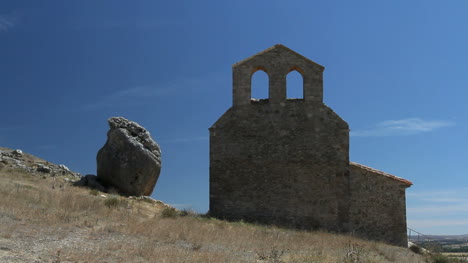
(286, 161)
(378, 205)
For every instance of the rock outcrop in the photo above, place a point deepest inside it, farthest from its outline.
(17, 159)
(130, 161)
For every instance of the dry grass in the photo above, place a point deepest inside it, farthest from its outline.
(47, 220)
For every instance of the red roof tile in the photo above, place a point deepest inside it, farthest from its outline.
(367, 168)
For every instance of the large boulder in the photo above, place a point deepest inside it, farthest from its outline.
(130, 160)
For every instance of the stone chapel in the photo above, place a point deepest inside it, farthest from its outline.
(286, 161)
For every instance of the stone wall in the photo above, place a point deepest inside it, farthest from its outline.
(280, 164)
(378, 205)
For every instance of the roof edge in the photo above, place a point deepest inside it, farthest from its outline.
(391, 176)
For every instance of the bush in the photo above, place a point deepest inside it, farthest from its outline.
(354, 253)
(439, 258)
(145, 199)
(416, 249)
(188, 212)
(274, 255)
(93, 192)
(114, 201)
(169, 212)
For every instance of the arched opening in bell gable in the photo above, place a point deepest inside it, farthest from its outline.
(294, 84)
(259, 84)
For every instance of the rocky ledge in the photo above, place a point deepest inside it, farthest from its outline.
(16, 159)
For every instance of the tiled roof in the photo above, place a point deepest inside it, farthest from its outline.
(367, 168)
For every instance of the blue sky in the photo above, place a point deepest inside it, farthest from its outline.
(395, 71)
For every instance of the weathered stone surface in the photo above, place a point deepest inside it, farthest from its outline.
(130, 160)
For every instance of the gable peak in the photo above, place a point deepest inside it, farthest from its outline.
(277, 47)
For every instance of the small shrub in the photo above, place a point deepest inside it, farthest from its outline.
(354, 253)
(114, 201)
(188, 212)
(169, 212)
(439, 258)
(88, 223)
(93, 192)
(273, 255)
(197, 246)
(113, 191)
(146, 200)
(242, 223)
(57, 258)
(416, 249)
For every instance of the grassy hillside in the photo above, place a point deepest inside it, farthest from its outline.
(46, 219)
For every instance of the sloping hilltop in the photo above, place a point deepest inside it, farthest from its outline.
(44, 218)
